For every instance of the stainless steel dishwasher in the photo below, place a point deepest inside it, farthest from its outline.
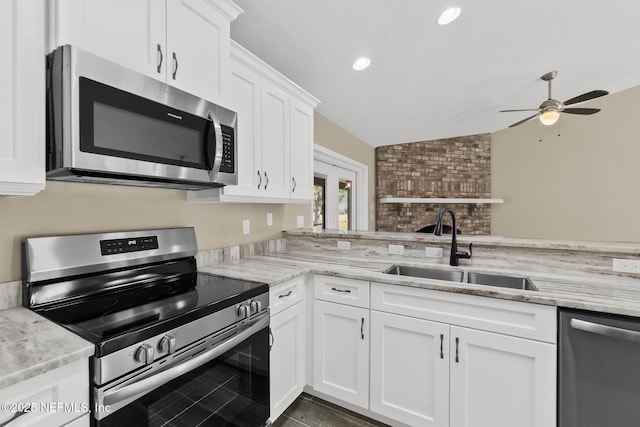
(599, 370)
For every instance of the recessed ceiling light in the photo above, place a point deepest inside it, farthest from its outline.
(361, 63)
(450, 15)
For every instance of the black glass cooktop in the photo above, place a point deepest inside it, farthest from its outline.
(118, 318)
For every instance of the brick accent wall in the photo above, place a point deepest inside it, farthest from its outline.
(452, 167)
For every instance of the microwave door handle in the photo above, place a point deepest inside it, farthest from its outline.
(215, 150)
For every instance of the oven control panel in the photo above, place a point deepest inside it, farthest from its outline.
(120, 246)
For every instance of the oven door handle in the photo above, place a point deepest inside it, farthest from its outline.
(119, 394)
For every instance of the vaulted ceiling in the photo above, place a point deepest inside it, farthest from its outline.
(428, 81)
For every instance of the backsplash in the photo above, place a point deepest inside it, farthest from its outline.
(451, 168)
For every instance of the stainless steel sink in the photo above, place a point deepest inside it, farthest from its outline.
(460, 276)
(427, 273)
(513, 282)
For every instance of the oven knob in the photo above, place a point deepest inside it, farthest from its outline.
(244, 311)
(168, 344)
(145, 354)
(255, 306)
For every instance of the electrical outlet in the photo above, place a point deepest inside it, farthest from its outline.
(433, 252)
(396, 249)
(269, 219)
(626, 265)
(246, 226)
(344, 245)
(300, 221)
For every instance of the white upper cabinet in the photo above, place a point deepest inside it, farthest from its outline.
(182, 42)
(22, 104)
(275, 136)
(301, 150)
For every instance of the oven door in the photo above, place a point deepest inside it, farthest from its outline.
(224, 384)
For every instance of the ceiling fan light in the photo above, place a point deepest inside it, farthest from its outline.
(549, 117)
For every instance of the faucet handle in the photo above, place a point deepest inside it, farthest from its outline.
(465, 254)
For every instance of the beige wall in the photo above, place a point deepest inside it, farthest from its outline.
(581, 185)
(68, 208)
(335, 138)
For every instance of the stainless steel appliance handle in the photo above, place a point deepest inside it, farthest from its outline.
(610, 331)
(217, 159)
(116, 395)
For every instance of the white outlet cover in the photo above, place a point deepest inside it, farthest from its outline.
(396, 249)
(246, 224)
(300, 221)
(344, 245)
(433, 252)
(269, 219)
(626, 265)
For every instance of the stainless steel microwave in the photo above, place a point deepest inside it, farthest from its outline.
(108, 124)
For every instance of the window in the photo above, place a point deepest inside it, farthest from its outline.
(319, 191)
(339, 193)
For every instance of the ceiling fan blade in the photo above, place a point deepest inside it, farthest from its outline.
(586, 96)
(523, 120)
(583, 111)
(513, 111)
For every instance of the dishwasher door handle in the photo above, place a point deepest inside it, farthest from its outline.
(609, 331)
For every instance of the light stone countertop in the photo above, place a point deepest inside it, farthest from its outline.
(31, 345)
(605, 294)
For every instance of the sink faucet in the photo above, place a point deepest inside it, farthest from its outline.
(455, 254)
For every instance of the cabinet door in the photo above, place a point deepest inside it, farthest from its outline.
(275, 140)
(301, 144)
(501, 381)
(287, 358)
(22, 104)
(245, 100)
(410, 369)
(198, 49)
(129, 32)
(341, 352)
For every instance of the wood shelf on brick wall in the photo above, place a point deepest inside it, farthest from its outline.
(436, 200)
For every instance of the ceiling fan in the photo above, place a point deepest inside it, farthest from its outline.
(549, 111)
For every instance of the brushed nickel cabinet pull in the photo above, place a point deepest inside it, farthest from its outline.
(161, 57)
(175, 65)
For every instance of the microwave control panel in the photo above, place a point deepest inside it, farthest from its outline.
(228, 155)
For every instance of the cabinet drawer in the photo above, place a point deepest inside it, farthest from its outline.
(286, 294)
(67, 385)
(526, 320)
(342, 291)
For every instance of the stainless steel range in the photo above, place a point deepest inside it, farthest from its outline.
(173, 346)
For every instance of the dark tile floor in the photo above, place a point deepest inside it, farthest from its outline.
(311, 411)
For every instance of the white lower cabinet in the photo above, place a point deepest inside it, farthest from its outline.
(410, 369)
(57, 397)
(287, 358)
(341, 352)
(501, 381)
(428, 371)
